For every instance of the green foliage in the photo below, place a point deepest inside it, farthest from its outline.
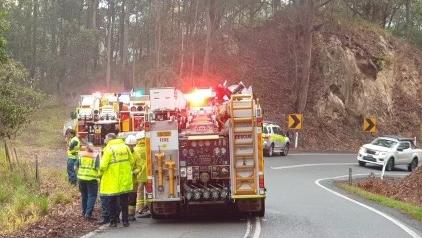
(17, 98)
(411, 209)
(410, 29)
(24, 200)
(3, 27)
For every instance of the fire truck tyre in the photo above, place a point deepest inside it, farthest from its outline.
(285, 150)
(413, 165)
(156, 216)
(261, 213)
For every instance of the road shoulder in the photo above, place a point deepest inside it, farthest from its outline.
(404, 218)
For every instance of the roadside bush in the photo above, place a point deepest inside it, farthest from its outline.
(24, 200)
(18, 99)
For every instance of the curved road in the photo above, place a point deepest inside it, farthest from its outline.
(297, 206)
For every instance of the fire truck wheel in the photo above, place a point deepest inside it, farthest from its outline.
(261, 213)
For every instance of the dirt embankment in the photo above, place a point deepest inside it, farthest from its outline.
(408, 189)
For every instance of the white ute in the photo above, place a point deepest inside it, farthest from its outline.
(395, 150)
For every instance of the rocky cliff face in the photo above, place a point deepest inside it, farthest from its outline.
(367, 73)
(358, 70)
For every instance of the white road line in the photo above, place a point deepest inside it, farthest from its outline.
(257, 228)
(408, 230)
(310, 165)
(93, 233)
(248, 228)
(321, 154)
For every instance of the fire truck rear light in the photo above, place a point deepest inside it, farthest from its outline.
(149, 186)
(261, 181)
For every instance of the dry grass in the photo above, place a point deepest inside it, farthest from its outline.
(408, 208)
(23, 199)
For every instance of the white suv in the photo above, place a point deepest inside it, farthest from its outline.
(395, 150)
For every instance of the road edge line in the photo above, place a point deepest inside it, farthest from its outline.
(257, 231)
(391, 219)
(93, 233)
(309, 165)
(248, 228)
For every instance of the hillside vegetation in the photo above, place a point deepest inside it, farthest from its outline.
(358, 70)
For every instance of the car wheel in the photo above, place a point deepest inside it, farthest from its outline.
(413, 165)
(271, 151)
(390, 165)
(361, 163)
(285, 150)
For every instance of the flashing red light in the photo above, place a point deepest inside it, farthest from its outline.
(149, 186)
(199, 97)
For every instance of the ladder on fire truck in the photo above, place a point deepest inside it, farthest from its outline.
(243, 144)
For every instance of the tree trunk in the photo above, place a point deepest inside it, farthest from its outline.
(34, 38)
(157, 33)
(306, 13)
(192, 67)
(109, 33)
(210, 19)
(275, 5)
(124, 46)
(182, 55)
(408, 18)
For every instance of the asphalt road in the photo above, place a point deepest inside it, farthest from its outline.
(301, 202)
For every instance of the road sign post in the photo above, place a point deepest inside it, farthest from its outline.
(383, 168)
(294, 122)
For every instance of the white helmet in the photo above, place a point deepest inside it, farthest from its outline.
(130, 140)
(140, 135)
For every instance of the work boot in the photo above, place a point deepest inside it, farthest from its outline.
(113, 224)
(126, 224)
(90, 218)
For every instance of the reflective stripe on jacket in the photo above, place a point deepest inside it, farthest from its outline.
(116, 169)
(140, 166)
(87, 166)
(74, 148)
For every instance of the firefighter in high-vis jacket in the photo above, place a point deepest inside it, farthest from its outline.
(73, 149)
(130, 141)
(87, 166)
(140, 172)
(116, 178)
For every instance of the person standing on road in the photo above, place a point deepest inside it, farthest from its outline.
(87, 167)
(72, 155)
(140, 171)
(116, 178)
(105, 200)
(131, 143)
